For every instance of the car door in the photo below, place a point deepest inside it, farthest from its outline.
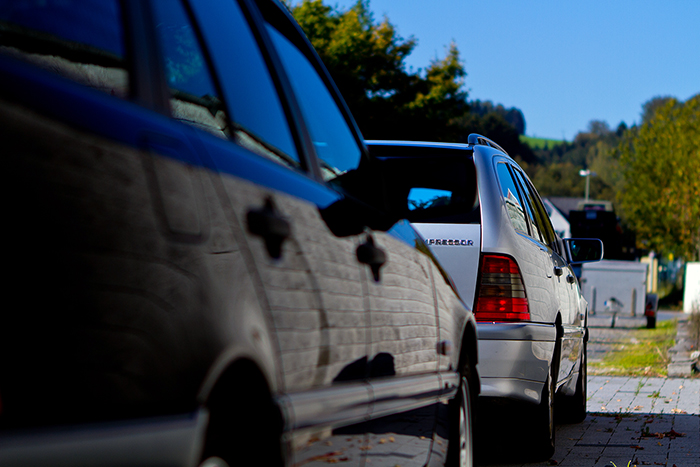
(532, 255)
(566, 286)
(404, 355)
(310, 279)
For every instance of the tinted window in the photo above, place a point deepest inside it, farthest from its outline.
(80, 40)
(194, 96)
(542, 217)
(535, 225)
(332, 138)
(257, 116)
(511, 197)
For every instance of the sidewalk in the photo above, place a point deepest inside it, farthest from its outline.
(645, 421)
(648, 421)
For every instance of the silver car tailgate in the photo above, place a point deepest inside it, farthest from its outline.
(457, 247)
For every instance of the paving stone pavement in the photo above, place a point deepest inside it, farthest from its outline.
(635, 420)
(645, 421)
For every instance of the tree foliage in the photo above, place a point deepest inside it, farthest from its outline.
(367, 62)
(556, 172)
(661, 167)
(512, 115)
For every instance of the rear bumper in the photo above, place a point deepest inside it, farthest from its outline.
(514, 359)
(167, 441)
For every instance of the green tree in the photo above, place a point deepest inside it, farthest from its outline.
(367, 61)
(661, 167)
(494, 126)
(650, 107)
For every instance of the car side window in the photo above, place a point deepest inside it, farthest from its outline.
(542, 217)
(511, 198)
(334, 142)
(257, 117)
(194, 98)
(535, 225)
(81, 40)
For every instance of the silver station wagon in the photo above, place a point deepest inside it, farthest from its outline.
(506, 259)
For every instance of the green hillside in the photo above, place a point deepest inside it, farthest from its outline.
(540, 143)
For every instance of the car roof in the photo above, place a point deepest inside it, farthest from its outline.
(421, 144)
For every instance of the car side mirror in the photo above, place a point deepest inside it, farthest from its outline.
(583, 250)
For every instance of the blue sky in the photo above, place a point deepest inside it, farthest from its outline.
(563, 63)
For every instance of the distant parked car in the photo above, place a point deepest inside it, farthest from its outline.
(506, 259)
(195, 274)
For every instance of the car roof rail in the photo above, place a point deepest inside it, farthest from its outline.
(475, 139)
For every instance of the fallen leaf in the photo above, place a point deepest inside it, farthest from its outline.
(678, 411)
(638, 407)
(391, 439)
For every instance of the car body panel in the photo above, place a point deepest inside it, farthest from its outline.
(457, 247)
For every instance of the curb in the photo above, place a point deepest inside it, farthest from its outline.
(685, 357)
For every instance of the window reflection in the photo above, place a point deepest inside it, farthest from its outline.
(79, 40)
(428, 198)
(333, 140)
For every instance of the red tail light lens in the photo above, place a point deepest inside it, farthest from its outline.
(501, 293)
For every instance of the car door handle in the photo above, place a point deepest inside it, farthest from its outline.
(368, 253)
(269, 224)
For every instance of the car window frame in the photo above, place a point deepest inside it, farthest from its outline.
(270, 12)
(518, 193)
(519, 177)
(548, 229)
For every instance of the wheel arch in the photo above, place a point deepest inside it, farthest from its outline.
(242, 408)
(469, 356)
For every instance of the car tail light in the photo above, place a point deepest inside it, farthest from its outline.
(501, 292)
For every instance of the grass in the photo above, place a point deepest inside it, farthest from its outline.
(644, 354)
(540, 143)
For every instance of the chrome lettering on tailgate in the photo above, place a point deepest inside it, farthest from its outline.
(453, 242)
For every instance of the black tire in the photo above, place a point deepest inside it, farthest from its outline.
(572, 409)
(542, 424)
(245, 426)
(460, 450)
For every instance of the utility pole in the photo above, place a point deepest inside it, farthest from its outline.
(588, 174)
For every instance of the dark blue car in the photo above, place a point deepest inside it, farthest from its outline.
(200, 265)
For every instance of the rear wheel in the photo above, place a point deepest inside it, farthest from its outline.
(542, 423)
(460, 448)
(573, 408)
(245, 426)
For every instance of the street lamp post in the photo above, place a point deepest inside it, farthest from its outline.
(588, 174)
